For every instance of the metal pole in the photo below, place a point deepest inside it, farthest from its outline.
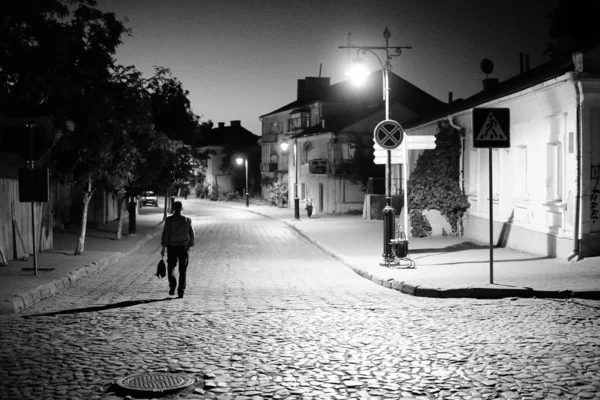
(388, 212)
(247, 198)
(405, 186)
(491, 220)
(296, 199)
(31, 165)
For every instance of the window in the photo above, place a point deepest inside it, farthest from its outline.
(347, 151)
(554, 171)
(266, 152)
(520, 173)
(299, 120)
(302, 191)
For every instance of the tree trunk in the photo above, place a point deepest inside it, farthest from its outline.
(167, 198)
(121, 212)
(86, 202)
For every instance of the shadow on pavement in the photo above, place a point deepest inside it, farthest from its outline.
(450, 249)
(495, 261)
(122, 304)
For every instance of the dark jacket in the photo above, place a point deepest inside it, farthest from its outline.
(178, 231)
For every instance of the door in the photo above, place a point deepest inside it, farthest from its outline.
(320, 197)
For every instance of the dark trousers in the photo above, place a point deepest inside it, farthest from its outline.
(177, 254)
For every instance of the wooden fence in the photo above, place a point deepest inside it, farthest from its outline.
(16, 239)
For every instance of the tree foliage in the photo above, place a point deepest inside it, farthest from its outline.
(119, 131)
(362, 166)
(573, 28)
(434, 183)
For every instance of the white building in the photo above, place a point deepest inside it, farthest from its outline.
(546, 186)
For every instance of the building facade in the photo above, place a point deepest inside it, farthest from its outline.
(222, 176)
(546, 186)
(324, 127)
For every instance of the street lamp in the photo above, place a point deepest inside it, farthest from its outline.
(358, 74)
(239, 161)
(284, 146)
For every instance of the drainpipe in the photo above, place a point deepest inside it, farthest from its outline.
(578, 139)
(462, 151)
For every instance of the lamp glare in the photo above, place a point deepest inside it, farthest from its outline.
(358, 72)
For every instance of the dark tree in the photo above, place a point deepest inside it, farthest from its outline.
(57, 60)
(574, 27)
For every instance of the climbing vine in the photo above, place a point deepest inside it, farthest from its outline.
(434, 183)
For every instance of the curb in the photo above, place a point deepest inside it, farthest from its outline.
(28, 298)
(422, 291)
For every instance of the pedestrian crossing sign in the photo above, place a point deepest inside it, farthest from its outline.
(491, 128)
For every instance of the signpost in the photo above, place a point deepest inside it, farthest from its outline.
(31, 138)
(389, 135)
(491, 129)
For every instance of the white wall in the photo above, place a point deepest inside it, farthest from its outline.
(541, 162)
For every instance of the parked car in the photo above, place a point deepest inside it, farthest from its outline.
(149, 198)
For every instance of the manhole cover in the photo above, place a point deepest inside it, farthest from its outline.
(155, 382)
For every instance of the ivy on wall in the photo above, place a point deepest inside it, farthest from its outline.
(434, 184)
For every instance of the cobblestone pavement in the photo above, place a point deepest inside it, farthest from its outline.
(269, 316)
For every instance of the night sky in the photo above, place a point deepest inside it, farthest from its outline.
(241, 59)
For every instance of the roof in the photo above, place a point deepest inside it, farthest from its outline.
(236, 134)
(343, 92)
(512, 85)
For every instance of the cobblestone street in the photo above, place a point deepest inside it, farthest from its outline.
(267, 315)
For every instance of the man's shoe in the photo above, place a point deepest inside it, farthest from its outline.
(180, 295)
(172, 292)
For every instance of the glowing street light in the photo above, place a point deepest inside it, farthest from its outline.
(240, 161)
(358, 73)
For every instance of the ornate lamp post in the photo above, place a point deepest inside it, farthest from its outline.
(284, 146)
(239, 161)
(358, 74)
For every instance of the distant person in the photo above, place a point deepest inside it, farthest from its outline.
(309, 207)
(177, 237)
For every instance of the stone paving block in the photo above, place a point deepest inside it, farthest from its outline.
(421, 291)
(52, 289)
(59, 284)
(27, 298)
(17, 303)
(407, 288)
(45, 290)
(36, 294)
(7, 307)
(66, 282)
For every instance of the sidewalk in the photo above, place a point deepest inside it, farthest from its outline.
(445, 266)
(59, 268)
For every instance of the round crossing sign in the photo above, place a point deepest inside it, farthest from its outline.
(389, 134)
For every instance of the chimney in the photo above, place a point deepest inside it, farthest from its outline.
(236, 123)
(449, 97)
(316, 88)
(301, 90)
(221, 125)
(489, 84)
(521, 63)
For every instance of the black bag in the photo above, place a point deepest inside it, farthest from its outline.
(161, 269)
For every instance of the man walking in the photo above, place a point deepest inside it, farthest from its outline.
(177, 238)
